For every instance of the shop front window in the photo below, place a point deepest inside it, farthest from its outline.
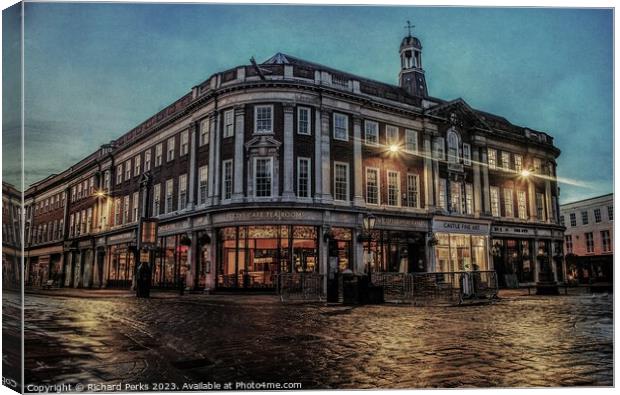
(460, 252)
(342, 239)
(121, 267)
(252, 256)
(513, 261)
(171, 264)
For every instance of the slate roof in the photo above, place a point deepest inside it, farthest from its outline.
(491, 120)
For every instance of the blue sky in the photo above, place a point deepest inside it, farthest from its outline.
(94, 71)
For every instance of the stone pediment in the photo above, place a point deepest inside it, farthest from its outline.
(459, 114)
(262, 141)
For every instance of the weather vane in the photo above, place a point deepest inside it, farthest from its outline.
(409, 27)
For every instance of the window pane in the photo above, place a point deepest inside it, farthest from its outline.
(340, 127)
(372, 186)
(263, 119)
(263, 177)
(341, 181)
(371, 132)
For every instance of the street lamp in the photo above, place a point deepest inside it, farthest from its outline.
(368, 225)
(525, 173)
(394, 148)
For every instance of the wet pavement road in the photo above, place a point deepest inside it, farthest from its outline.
(516, 342)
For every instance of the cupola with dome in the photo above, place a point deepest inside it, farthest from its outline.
(411, 76)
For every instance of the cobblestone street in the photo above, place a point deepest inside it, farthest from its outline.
(519, 341)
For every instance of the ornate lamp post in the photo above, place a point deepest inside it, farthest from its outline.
(368, 225)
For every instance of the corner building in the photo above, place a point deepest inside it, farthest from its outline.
(271, 168)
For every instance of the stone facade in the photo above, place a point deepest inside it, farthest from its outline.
(271, 168)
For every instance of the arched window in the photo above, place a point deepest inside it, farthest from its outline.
(453, 147)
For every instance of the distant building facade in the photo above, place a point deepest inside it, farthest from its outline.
(271, 168)
(589, 239)
(11, 236)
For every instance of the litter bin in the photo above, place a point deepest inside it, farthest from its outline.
(369, 293)
(350, 289)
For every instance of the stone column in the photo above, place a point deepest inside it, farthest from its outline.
(211, 181)
(218, 163)
(211, 265)
(429, 190)
(477, 186)
(323, 256)
(326, 196)
(358, 178)
(552, 261)
(318, 183)
(68, 269)
(485, 183)
(77, 278)
(193, 148)
(288, 193)
(237, 196)
(358, 252)
(431, 265)
(535, 261)
(192, 261)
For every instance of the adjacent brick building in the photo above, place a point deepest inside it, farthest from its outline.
(271, 168)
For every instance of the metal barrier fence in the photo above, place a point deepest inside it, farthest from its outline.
(300, 287)
(443, 287)
(415, 288)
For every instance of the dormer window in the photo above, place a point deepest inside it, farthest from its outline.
(263, 119)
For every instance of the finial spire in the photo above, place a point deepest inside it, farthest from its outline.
(409, 27)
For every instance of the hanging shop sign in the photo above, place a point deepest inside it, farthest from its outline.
(148, 234)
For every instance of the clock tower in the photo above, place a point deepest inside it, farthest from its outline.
(411, 76)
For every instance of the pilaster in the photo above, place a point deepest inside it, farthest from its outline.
(548, 201)
(358, 249)
(477, 192)
(237, 196)
(429, 190)
(531, 191)
(535, 261)
(358, 194)
(193, 262)
(326, 196)
(288, 193)
(485, 183)
(212, 164)
(193, 147)
(318, 184)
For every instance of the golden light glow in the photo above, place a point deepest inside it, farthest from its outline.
(394, 148)
(99, 194)
(525, 173)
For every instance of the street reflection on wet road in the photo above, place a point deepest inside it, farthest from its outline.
(516, 342)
